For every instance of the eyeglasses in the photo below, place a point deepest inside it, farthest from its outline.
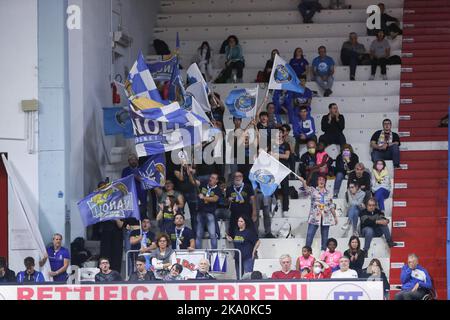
(162, 240)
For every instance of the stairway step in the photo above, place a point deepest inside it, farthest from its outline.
(420, 83)
(442, 78)
(424, 99)
(421, 193)
(424, 164)
(416, 38)
(420, 203)
(413, 18)
(424, 155)
(426, 31)
(423, 132)
(420, 173)
(420, 124)
(424, 107)
(424, 115)
(419, 222)
(424, 60)
(409, 232)
(412, 25)
(412, 46)
(420, 182)
(424, 68)
(399, 213)
(422, 53)
(429, 91)
(425, 138)
(425, 4)
(427, 10)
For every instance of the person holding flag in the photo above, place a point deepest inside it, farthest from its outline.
(322, 212)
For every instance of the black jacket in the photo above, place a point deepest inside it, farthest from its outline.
(9, 277)
(363, 181)
(358, 263)
(368, 219)
(204, 276)
(334, 126)
(149, 276)
(305, 160)
(354, 159)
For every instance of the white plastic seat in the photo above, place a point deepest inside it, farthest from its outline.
(87, 274)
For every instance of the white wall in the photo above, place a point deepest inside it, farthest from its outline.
(19, 81)
(90, 69)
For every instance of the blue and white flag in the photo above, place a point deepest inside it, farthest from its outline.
(153, 172)
(218, 262)
(116, 120)
(283, 77)
(198, 91)
(142, 83)
(267, 173)
(162, 70)
(242, 103)
(194, 75)
(118, 200)
(159, 130)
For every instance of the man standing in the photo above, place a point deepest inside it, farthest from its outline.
(144, 241)
(333, 124)
(286, 271)
(181, 237)
(208, 200)
(323, 71)
(416, 281)
(30, 275)
(242, 202)
(386, 144)
(59, 258)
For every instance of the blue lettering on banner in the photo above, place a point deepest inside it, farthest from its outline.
(348, 295)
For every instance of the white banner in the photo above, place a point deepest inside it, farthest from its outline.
(270, 290)
(190, 261)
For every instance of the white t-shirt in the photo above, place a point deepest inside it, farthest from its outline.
(349, 274)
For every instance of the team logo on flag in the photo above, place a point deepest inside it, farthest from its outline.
(187, 101)
(281, 74)
(112, 202)
(154, 173)
(264, 176)
(245, 103)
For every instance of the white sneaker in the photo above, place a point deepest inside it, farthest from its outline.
(346, 226)
(284, 214)
(385, 77)
(372, 77)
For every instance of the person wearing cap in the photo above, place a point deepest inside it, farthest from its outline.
(133, 169)
(30, 275)
(175, 273)
(286, 272)
(6, 275)
(320, 270)
(344, 271)
(141, 273)
(202, 272)
(59, 258)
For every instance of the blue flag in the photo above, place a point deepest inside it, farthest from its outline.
(283, 77)
(118, 200)
(153, 172)
(116, 120)
(242, 103)
(162, 70)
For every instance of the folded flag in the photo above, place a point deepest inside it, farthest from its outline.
(141, 80)
(118, 200)
(267, 173)
(283, 77)
(153, 172)
(242, 103)
(116, 120)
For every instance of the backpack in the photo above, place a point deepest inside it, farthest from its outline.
(285, 231)
(161, 47)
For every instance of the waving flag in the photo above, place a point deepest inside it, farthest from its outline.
(194, 75)
(141, 80)
(243, 103)
(199, 92)
(116, 120)
(283, 77)
(162, 70)
(267, 173)
(118, 200)
(153, 172)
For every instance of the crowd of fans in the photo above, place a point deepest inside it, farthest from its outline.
(223, 191)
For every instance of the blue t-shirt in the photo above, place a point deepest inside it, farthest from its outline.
(299, 66)
(245, 242)
(184, 236)
(323, 66)
(209, 207)
(24, 277)
(56, 260)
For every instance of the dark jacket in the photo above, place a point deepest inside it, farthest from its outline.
(149, 276)
(204, 276)
(368, 219)
(340, 167)
(358, 263)
(9, 277)
(334, 126)
(363, 181)
(305, 161)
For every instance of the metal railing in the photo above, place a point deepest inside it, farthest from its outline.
(208, 253)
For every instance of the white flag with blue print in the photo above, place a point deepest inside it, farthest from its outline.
(283, 77)
(194, 75)
(242, 103)
(142, 83)
(267, 173)
(198, 91)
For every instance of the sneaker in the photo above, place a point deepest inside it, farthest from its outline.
(269, 236)
(325, 93)
(352, 78)
(372, 77)
(385, 77)
(366, 253)
(284, 214)
(356, 233)
(392, 244)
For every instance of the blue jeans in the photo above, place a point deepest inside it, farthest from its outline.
(312, 229)
(338, 182)
(353, 215)
(247, 266)
(328, 84)
(381, 195)
(208, 219)
(369, 232)
(391, 153)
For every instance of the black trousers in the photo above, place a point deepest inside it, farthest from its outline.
(238, 65)
(111, 247)
(333, 138)
(382, 62)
